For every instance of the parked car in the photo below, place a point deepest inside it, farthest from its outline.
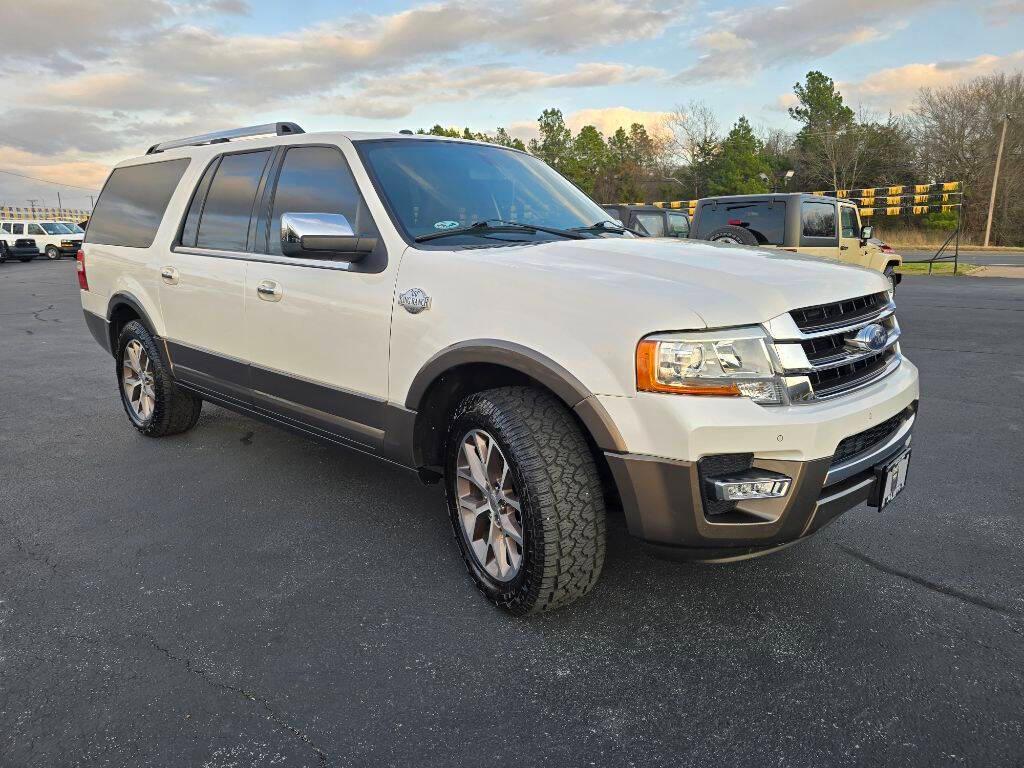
(798, 222)
(22, 248)
(461, 310)
(651, 220)
(52, 238)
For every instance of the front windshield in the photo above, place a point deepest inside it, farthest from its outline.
(433, 186)
(53, 228)
(73, 228)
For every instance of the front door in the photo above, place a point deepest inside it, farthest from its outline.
(849, 236)
(819, 231)
(202, 280)
(318, 330)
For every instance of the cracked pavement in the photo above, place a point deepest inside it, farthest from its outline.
(241, 596)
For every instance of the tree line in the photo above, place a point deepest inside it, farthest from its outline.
(949, 134)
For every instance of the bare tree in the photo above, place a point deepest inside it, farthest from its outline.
(695, 137)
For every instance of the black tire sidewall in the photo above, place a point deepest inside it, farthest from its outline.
(744, 236)
(135, 330)
(477, 413)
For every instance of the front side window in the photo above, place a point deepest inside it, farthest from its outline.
(317, 180)
(35, 229)
(433, 186)
(818, 219)
(679, 225)
(849, 221)
(132, 203)
(225, 221)
(652, 224)
(53, 228)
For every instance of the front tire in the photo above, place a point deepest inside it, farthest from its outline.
(525, 499)
(52, 253)
(155, 405)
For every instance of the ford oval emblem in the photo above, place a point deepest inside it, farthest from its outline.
(871, 337)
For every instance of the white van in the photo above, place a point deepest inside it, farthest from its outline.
(54, 238)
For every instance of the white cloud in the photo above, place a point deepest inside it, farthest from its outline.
(393, 96)
(750, 39)
(896, 88)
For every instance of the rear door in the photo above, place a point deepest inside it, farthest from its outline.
(318, 330)
(203, 277)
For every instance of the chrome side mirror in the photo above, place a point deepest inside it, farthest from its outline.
(322, 236)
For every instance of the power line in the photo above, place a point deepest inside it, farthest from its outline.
(48, 181)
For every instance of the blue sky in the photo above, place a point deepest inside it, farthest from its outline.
(138, 71)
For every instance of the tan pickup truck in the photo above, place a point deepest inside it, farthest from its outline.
(798, 222)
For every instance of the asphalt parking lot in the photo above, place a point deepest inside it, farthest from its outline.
(241, 596)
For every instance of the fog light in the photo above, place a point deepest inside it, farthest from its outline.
(749, 484)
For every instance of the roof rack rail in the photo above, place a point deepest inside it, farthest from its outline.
(217, 137)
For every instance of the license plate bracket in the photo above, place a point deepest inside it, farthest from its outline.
(891, 479)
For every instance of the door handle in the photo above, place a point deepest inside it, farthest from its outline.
(844, 247)
(169, 275)
(268, 290)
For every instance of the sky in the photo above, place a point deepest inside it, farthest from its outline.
(124, 74)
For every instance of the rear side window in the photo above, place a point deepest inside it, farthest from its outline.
(133, 202)
(317, 180)
(17, 229)
(818, 220)
(225, 221)
(766, 220)
(5, 227)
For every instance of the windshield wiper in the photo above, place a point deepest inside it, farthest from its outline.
(607, 226)
(500, 225)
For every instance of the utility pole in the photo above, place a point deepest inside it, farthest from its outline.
(995, 179)
(32, 204)
(60, 206)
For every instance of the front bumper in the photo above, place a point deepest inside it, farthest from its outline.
(660, 480)
(665, 507)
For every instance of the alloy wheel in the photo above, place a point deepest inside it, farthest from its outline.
(137, 380)
(489, 507)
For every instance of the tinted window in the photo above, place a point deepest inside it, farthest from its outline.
(52, 228)
(679, 225)
(848, 219)
(5, 227)
(318, 180)
(764, 219)
(818, 219)
(191, 227)
(17, 229)
(651, 223)
(225, 221)
(133, 202)
(35, 229)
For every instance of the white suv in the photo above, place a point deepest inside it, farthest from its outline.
(462, 310)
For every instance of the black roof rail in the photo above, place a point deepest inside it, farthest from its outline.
(217, 137)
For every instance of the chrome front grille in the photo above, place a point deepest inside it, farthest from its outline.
(817, 352)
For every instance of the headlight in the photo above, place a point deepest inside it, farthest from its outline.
(727, 363)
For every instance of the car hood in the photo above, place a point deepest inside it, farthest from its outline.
(723, 284)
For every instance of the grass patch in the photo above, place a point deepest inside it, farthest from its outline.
(938, 268)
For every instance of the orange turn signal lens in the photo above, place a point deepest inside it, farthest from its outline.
(647, 376)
